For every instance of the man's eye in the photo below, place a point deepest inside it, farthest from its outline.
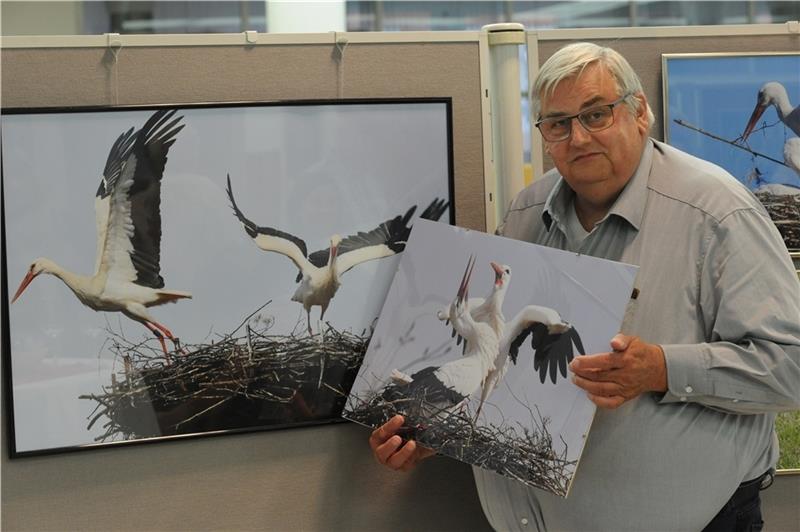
(596, 115)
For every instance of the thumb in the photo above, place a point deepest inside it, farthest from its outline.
(620, 342)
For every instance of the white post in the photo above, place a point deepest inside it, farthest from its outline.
(506, 110)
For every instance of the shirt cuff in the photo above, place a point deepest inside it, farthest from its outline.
(687, 373)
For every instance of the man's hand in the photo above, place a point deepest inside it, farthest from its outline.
(630, 369)
(390, 450)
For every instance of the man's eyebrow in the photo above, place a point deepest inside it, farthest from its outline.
(588, 103)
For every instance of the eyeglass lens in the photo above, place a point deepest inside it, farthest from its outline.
(594, 119)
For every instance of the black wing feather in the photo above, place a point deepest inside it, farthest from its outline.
(117, 156)
(552, 352)
(254, 230)
(425, 393)
(144, 153)
(435, 210)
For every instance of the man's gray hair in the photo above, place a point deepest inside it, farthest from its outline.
(572, 60)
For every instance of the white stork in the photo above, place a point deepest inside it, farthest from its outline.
(551, 337)
(127, 207)
(773, 93)
(440, 390)
(490, 309)
(320, 272)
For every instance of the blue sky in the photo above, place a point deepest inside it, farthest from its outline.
(718, 94)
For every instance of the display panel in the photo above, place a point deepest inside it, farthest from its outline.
(234, 214)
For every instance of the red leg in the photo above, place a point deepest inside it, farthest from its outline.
(160, 337)
(169, 335)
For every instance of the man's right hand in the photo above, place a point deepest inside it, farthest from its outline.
(392, 451)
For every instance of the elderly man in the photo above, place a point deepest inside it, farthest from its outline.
(709, 349)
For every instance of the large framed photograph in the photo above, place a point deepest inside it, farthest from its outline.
(740, 111)
(472, 347)
(182, 270)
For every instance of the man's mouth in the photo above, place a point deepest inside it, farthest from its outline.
(585, 156)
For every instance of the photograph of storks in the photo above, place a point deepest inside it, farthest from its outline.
(237, 353)
(473, 385)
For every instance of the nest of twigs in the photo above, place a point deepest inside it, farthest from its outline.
(784, 209)
(252, 379)
(523, 453)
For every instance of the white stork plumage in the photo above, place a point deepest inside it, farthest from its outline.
(439, 390)
(127, 207)
(490, 309)
(791, 154)
(551, 337)
(773, 93)
(320, 272)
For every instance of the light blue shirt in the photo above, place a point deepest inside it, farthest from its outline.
(719, 293)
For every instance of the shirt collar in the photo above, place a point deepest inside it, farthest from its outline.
(628, 206)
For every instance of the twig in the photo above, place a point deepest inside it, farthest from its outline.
(726, 141)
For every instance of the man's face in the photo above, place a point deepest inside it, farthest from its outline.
(598, 165)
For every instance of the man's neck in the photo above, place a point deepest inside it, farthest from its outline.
(589, 214)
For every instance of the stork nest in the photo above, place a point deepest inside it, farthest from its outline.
(252, 380)
(784, 209)
(522, 453)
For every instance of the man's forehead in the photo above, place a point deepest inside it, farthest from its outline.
(591, 86)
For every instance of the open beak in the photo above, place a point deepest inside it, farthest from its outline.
(23, 285)
(463, 289)
(498, 272)
(751, 124)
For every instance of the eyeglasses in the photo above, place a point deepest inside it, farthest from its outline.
(598, 118)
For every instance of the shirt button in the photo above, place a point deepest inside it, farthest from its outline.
(689, 389)
(524, 521)
(735, 400)
(683, 399)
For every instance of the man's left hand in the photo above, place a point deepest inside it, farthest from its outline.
(630, 369)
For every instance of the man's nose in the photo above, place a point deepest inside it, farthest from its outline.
(579, 134)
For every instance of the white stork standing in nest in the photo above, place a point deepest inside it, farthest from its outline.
(443, 389)
(551, 337)
(320, 272)
(127, 207)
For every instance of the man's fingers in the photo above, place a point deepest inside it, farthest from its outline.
(403, 459)
(598, 362)
(383, 452)
(385, 431)
(607, 402)
(599, 388)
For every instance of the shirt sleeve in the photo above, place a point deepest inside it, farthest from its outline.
(750, 306)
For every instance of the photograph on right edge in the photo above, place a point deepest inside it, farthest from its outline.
(740, 111)
(472, 348)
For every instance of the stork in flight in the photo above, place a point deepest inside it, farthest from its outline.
(443, 389)
(551, 337)
(127, 208)
(320, 272)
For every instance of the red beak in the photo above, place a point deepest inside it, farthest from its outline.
(498, 272)
(751, 124)
(23, 285)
